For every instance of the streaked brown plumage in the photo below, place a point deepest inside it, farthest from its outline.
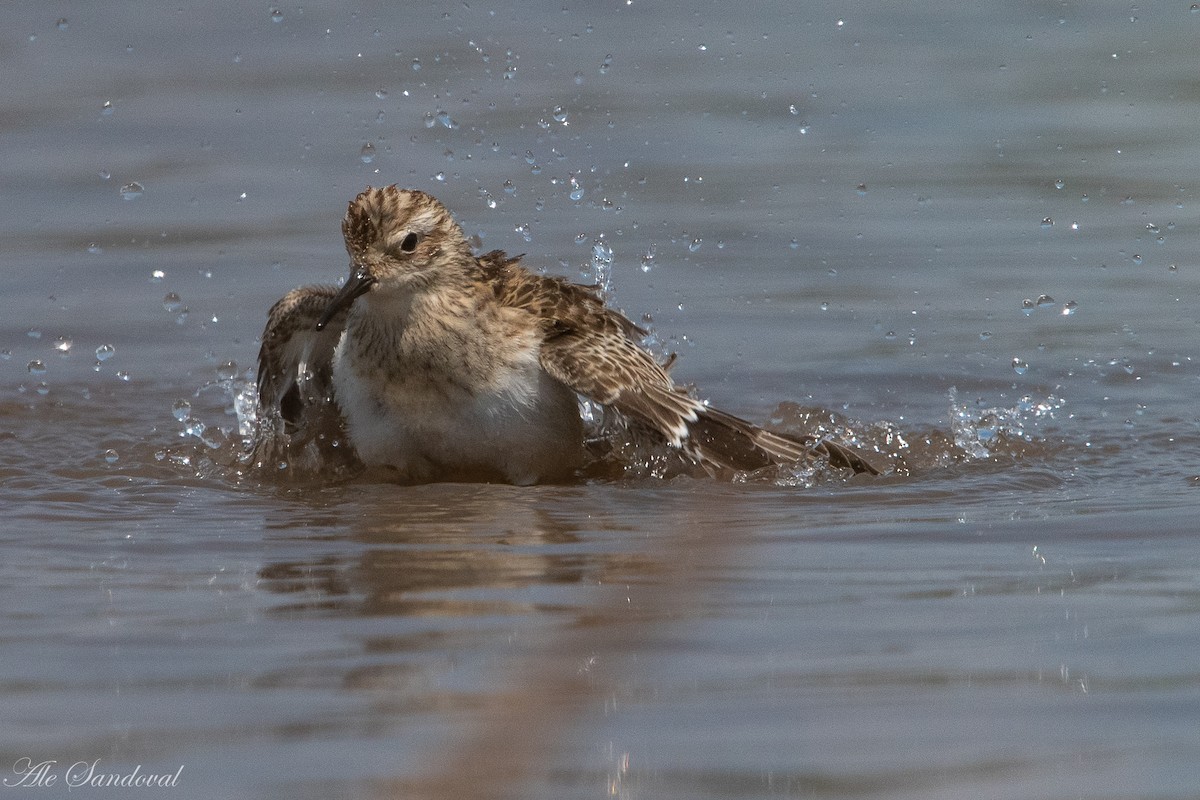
(448, 366)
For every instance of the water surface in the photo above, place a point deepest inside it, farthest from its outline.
(847, 210)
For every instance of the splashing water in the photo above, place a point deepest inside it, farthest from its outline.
(983, 433)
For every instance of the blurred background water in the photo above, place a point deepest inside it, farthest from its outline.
(974, 225)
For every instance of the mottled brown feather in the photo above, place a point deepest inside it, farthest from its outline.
(592, 349)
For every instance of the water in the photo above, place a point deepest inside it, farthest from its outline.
(1016, 617)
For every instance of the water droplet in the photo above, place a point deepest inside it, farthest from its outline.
(793, 110)
(111, 456)
(416, 65)
(510, 187)
(181, 410)
(560, 115)
(824, 306)
(61, 23)
(446, 121)
(1137, 259)
(648, 258)
(5, 355)
(276, 15)
(576, 193)
(43, 388)
(985, 335)
(525, 231)
(606, 65)
(861, 189)
(1020, 367)
(1045, 300)
(123, 376)
(227, 371)
(1047, 223)
(695, 245)
(94, 248)
(36, 367)
(1027, 306)
(105, 351)
(63, 345)
(578, 78)
(1060, 183)
(132, 191)
(1074, 226)
(157, 276)
(890, 336)
(106, 110)
(1069, 308)
(172, 302)
(367, 153)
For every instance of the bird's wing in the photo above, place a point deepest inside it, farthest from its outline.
(590, 348)
(296, 410)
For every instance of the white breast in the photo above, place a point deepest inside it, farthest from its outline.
(522, 427)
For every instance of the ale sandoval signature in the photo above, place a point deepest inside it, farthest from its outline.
(31, 774)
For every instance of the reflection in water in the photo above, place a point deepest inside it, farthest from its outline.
(492, 561)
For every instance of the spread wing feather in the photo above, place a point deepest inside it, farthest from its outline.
(590, 348)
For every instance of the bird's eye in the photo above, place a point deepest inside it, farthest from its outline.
(410, 243)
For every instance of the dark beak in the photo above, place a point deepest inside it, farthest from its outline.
(359, 282)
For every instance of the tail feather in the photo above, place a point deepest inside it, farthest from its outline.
(722, 440)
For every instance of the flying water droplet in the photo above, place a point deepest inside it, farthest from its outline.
(606, 65)
(367, 153)
(157, 276)
(1069, 308)
(105, 351)
(695, 245)
(181, 410)
(123, 376)
(1045, 300)
(1060, 183)
(560, 115)
(861, 189)
(227, 371)
(576, 193)
(106, 110)
(111, 456)
(36, 367)
(1137, 259)
(648, 258)
(985, 335)
(1020, 367)
(63, 345)
(1027, 306)
(276, 15)
(132, 191)
(61, 23)
(172, 302)
(1047, 223)
(416, 65)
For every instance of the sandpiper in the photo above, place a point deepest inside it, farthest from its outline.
(444, 365)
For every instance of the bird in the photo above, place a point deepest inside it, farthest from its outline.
(437, 364)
